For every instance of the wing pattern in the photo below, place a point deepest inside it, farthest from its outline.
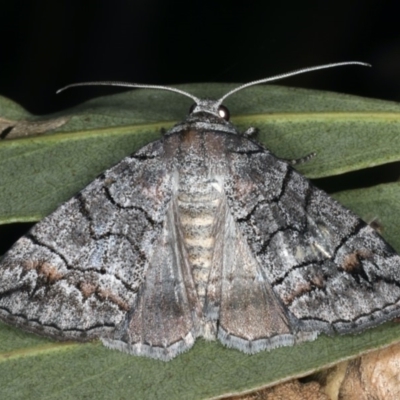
(330, 270)
(278, 260)
(77, 273)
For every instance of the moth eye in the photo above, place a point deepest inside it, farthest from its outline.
(223, 112)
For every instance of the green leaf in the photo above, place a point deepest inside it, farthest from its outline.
(38, 173)
(90, 371)
(379, 203)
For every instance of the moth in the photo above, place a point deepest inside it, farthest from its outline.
(203, 233)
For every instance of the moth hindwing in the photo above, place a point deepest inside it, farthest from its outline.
(201, 233)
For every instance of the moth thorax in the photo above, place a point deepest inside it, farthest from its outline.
(199, 207)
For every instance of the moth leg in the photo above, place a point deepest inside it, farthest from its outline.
(302, 160)
(376, 225)
(250, 132)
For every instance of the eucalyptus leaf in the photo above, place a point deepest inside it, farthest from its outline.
(38, 173)
(379, 203)
(208, 370)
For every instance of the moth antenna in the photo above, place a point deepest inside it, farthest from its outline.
(292, 73)
(218, 102)
(131, 85)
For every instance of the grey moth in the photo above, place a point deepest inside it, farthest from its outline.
(203, 233)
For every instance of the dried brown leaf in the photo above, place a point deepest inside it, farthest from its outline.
(293, 390)
(10, 129)
(373, 376)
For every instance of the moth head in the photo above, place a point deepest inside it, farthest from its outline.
(210, 107)
(214, 107)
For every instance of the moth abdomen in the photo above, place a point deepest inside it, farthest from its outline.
(198, 214)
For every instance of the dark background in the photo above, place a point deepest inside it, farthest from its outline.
(46, 45)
